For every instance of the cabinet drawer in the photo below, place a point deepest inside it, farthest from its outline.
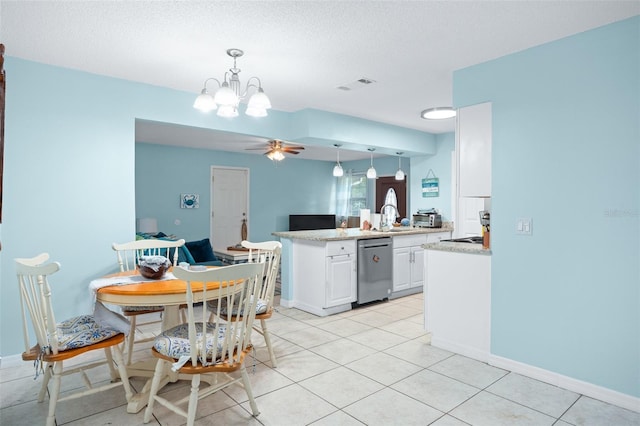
(336, 248)
(436, 237)
(409, 240)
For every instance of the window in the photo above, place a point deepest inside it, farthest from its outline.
(352, 194)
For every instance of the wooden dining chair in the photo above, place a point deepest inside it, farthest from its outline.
(128, 255)
(201, 350)
(268, 252)
(58, 342)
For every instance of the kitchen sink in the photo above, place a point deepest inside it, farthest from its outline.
(471, 240)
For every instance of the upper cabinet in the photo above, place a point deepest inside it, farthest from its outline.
(473, 145)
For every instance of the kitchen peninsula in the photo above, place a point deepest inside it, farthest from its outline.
(320, 267)
(457, 297)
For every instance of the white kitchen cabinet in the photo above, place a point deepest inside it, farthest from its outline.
(324, 276)
(409, 262)
(341, 280)
(473, 145)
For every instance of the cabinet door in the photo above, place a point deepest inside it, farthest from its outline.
(473, 143)
(417, 266)
(341, 280)
(401, 268)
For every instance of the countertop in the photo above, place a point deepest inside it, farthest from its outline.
(458, 247)
(357, 234)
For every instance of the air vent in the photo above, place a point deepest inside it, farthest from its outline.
(358, 84)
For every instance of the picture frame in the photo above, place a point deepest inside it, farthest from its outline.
(189, 201)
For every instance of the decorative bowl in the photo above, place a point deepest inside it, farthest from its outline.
(153, 267)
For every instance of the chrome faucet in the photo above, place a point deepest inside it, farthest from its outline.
(385, 214)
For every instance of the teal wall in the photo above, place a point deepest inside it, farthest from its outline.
(566, 152)
(292, 186)
(440, 163)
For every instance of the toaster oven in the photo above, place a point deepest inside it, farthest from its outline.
(428, 220)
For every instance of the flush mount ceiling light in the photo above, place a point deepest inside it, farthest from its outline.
(399, 173)
(337, 169)
(228, 96)
(438, 113)
(371, 173)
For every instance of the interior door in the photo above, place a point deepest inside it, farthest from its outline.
(229, 205)
(399, 186)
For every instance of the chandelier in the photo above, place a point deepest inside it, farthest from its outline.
(228, 95)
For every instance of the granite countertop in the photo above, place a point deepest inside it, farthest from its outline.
(357, 234)
(458, 247)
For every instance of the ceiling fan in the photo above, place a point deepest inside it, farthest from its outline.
(277, 148)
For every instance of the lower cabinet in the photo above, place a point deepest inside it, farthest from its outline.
(409, 261)
(341, 280)
(324, 276)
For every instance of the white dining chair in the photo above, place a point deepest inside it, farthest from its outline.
(128, 255)
(268, 252)
(208, 351)
(59, 342)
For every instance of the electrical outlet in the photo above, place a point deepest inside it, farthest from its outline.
(524, 226)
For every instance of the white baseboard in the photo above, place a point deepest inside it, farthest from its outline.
(588, 389)
(11, 361)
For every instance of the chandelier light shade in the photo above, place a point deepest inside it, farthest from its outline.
(229, 93)
(275, 155)
(438, 113)
(337, 169)
(371, 173)
(399, 173)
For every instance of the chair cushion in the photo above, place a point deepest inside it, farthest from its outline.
(174, 342)
(261, 307)
(201, 250)
(81, 331)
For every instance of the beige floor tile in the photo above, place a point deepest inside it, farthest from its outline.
(345, 327)
(469, 371)
(418, 352)
(304, 364)
(389, 407)
(232, 416)
(341, 386)
(486, 409)
(383, 368)
(373, 319)
(263, 380)
(531, 393)
(405, 328)
(343, 351)
(378, 339)
(292, 405)
(309, 337)
(339, 418)
(435, 390)
(588, 411)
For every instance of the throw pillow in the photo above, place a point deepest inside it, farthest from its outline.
(201, 250)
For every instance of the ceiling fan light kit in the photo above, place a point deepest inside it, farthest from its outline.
(438, 113)
(277, 148)
(228, 95)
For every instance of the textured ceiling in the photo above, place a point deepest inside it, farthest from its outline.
(301, 50)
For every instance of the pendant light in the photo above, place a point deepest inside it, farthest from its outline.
(337, 169)
(399, 173)
(371, 173)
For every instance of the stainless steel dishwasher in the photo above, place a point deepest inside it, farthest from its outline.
(375, 269)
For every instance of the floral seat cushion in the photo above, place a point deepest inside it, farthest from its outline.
(81, 331)
(174, 342)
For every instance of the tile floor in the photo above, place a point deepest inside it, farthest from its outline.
(369, 366)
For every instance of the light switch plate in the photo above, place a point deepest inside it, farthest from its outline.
(524, 226)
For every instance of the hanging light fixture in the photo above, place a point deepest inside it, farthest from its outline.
(371, 173)
(438, 113)
(399, 173)
(337, 169)
(228, 96)
(276, 155)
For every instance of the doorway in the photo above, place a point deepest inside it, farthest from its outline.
(383, 184)
(229, 206)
